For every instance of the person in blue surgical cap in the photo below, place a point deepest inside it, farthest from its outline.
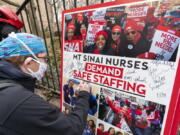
(23, 61)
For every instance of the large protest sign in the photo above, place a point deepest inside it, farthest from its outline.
(132, 70)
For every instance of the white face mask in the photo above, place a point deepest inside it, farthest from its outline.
(41, 71)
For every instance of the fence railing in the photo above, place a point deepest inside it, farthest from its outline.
(43, 18)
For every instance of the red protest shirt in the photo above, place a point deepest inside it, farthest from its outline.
(96, 51)
(99, 132)
(156, 116)
(138, 112)
(106, 133)
(141, 123)
(118, 110)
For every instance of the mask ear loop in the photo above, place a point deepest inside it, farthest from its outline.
(30, 58)
(27, 61)
(36, 61)
(31, 72)
(13, 35)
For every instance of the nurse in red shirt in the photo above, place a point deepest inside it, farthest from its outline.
(100, 46)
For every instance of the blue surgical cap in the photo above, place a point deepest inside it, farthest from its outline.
(13, 45)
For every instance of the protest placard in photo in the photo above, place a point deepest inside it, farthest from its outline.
(98, 15)
(138, 11)
(165, 42)
(93, 28)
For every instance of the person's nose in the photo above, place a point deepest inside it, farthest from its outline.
(101, 40)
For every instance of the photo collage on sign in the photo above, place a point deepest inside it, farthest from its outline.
(125, 54)
(147, 31)
(116, 111)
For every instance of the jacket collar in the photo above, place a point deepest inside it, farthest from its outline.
(9, 71)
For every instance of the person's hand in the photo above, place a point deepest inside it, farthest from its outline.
(84, 86)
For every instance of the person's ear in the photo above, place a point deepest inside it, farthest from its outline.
(26, 64)
(28, 61)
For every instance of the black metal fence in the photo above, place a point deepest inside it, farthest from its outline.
(43, 18)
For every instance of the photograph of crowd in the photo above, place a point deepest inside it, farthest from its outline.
(90, 127)
(126, 31)
(131, 114)
(71, 91)
(104, 128)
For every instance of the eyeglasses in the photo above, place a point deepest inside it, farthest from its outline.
(116, 33)
(132, 32)
(46, 59)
